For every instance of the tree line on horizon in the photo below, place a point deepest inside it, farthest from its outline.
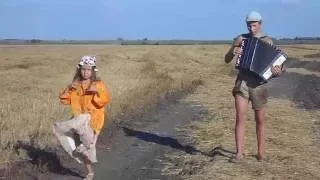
(146, 41)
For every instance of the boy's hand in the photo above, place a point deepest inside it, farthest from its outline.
(276, 70)
(237, 51)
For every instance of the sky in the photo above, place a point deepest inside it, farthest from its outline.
(154, 19)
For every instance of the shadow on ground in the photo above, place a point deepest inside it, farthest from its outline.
(174, 143)
(45, 161)
(220, 151)
(165, 141)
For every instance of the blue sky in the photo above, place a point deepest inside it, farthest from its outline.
(154, 19)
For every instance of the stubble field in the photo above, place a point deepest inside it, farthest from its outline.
(138, 76)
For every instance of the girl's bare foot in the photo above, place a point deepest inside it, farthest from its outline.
(89, 176)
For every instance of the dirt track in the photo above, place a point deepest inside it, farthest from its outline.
(302, 89)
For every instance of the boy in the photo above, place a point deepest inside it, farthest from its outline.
(248, 88)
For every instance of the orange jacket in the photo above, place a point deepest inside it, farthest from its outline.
(82, 102)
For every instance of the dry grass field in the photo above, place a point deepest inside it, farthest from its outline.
(293, 119)
(33, 76)
(136, 76)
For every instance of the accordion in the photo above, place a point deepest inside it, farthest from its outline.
(258, 57)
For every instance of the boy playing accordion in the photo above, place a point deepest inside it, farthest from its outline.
(249, 88)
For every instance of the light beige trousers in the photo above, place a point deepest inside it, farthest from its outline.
(80, 125)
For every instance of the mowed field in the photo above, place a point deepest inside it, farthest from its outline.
(137, 76)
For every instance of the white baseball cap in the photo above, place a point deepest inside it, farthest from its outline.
(253, 16)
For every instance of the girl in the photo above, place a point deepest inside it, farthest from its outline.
(87, 96)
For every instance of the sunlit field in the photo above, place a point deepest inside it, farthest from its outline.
(137, 76)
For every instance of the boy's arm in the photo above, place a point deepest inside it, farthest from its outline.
(282, 67)
(230, 54)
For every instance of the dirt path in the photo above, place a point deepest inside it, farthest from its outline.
(139, 145)
(131, 150)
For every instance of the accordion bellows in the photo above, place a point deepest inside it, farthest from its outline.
(258, 57)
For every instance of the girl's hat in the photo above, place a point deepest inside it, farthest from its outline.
(88, 61)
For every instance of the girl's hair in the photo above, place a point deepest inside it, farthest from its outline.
(77, 76)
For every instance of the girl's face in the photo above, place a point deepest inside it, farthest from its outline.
(86, 72)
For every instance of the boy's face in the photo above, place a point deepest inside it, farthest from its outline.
(86, 72)
(254, 27)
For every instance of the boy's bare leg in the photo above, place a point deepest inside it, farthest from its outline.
(260, 130)
(241, 104)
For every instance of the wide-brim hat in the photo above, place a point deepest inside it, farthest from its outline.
(88, 61)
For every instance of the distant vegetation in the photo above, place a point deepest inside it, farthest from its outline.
(146, 41)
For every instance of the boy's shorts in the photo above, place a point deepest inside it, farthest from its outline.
(257, 95)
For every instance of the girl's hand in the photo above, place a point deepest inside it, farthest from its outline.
(73, 85)
(92, 89)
